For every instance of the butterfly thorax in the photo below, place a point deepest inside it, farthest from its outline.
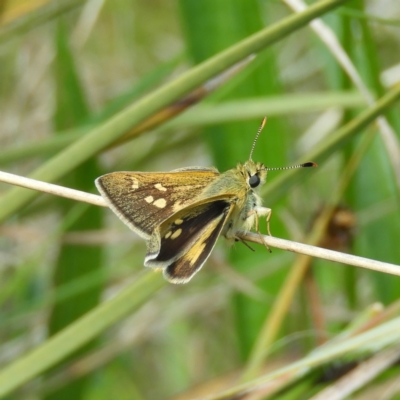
(240, 186)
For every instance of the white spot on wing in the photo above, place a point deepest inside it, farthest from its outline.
(160, 203)
(176, 233)
(149, 199)
(178, 221)
(135, 183)
(160, 187)
(167, 235)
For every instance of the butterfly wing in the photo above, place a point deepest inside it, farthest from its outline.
(185, 241)
(143, 200)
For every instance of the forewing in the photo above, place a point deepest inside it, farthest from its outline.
(188, 238)
(143, 200)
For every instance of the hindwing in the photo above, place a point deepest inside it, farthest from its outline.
(183, 243)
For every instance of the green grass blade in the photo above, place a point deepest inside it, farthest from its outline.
(321, 152)
(205, 114)
(79, 333)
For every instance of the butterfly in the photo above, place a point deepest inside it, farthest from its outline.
(182, 213)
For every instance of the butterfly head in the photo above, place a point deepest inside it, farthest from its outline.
(255, 173)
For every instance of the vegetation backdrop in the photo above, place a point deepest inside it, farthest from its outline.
(80, 318)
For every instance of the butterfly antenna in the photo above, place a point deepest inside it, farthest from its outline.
(264, 121)
(304, 165)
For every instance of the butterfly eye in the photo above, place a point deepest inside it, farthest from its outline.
(254, 181)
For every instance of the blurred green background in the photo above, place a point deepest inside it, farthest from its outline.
(67, 67)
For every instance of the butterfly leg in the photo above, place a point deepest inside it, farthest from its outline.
(239, 239)
(260, 212)
(263, 212)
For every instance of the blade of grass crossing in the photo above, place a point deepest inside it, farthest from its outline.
(211, 26)
(74, 261)
(374, 181)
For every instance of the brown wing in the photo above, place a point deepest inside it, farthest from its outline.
(188, 239)
(143, 200)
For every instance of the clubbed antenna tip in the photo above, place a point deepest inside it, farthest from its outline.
(309, 164)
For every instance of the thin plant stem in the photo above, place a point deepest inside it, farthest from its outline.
(248, 236)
